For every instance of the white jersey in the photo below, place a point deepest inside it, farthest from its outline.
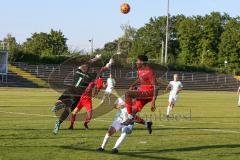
(110, 83)
(122, 114)
(175, 86)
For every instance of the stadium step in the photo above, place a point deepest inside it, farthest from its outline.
(26, 77)
(124, 77)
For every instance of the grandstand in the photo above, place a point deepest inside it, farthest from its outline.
(124, 77)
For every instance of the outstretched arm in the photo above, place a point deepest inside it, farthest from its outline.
(154, 82)
(105, 68)
(96, 58)
(155, 94)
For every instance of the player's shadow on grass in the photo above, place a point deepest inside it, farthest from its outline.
(132, 154)
(140, 153)
(195, 148)
(215, 117)
(80, 128)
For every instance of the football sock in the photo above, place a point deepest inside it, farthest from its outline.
(120, 140)
(139, 120)
(169, 109)
(64, 115)
(105, 141)
(73, 119)
(88, 117)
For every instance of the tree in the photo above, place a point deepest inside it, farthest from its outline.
(38, 44)
(211, 28)
(13, 47)
(189, 35)
(229, 47)
(46, 44)
(147, 39)
(58, 42)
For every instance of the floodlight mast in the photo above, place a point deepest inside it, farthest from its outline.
(167, 30)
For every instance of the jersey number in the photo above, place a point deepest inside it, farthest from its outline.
(79, 81)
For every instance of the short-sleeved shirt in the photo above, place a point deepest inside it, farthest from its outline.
(110, 83)
(147, 78)
(175, 86)
(122, 114)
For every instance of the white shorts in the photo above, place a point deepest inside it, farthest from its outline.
(172, 99)
(117, 125)
(109, 90)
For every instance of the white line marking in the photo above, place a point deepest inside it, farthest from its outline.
(28, 114)
(192, 121)
(211, 130)
(102, 120)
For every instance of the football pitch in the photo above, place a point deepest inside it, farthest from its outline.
(213, 132)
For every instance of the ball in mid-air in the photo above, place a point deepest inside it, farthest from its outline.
(125, 8)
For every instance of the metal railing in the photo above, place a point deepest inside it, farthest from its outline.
(195, 80)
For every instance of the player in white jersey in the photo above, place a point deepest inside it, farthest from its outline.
(175, 87)
(109, 89)
(238, 93)
(121, 116)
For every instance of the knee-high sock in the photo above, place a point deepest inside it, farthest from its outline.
(169, 109)
(120, 140)
(139, 120)
(88, 117)
(73, 119)
(64, 115)
(105, 141)
(104, 96)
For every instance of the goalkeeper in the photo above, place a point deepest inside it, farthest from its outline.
(71, 96)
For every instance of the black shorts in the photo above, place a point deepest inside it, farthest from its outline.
(74, 100)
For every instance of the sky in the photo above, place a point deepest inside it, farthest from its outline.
(81, 20)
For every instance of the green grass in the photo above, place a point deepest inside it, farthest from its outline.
(213, 133)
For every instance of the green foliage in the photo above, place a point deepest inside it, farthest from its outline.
(193, 41)
(147, 39)
(50, 44)
(189, 34)
(37, 59)
(199, 41)
(229, 47)
(14, 48)
(191, 68)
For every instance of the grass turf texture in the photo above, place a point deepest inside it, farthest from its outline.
(213, 133)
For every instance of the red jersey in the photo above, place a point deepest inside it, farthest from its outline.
(88, 91)
(99, 83)
(147, 78)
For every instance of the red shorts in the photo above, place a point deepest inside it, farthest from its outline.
(143, 96)
(146, 97)
(140, 103)
(85, 102)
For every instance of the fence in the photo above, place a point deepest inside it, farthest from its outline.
(124, 77)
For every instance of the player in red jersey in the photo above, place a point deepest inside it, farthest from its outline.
(146, 92)
(99, 85)
(86, 101)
